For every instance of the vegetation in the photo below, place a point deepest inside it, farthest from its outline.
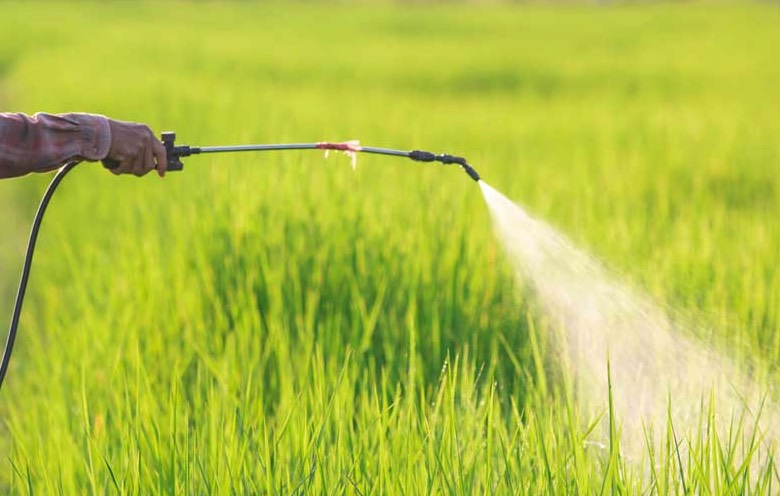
(282, 324)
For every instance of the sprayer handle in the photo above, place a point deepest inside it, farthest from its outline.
(168, 140)
(173, 154)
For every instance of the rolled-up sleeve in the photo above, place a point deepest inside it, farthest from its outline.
(43, 142)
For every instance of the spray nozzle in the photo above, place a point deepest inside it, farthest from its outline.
(445, 159)
(470, 171)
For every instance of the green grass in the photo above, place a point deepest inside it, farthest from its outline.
(281, 324)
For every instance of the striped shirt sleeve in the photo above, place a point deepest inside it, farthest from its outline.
(44, 142)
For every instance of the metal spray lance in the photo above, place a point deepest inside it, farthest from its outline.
(177, 152)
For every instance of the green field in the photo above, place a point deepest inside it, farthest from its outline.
(282, 324)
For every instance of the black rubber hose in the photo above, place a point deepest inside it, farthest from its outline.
(9, 344)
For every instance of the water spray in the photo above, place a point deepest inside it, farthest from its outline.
(174, 155)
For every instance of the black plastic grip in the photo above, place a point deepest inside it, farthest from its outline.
(422, 156)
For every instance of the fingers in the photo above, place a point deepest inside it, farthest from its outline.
(144, 162)
(125, 166)
(161, 156)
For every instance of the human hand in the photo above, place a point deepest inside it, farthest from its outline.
(134, 150)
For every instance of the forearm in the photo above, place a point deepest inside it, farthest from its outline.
(44, 141)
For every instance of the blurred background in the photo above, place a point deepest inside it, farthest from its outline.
(282, 322)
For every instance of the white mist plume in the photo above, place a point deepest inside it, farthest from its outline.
(654, 360)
